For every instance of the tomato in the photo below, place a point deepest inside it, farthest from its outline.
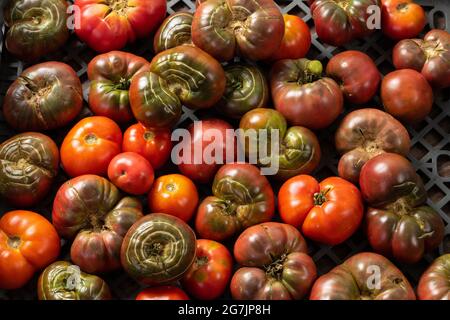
(275, 264)
(153, 145)
(90, 145)
(356, 73)
(225, 28)
(434, 283)
(158, 249)
(328, 212)
(162, 293)
(36, 28)
(57, 283)
(208, 277)
(28, 166)
(354, 280)
(407, 95)
(90, 210)
(173, 32)
(402, 19)
(174, 194)
(296, 41)
(45, 96)
(303, 96)
(131, 173)
(398, 223)
(28, 243)
(364, 134)
(110, 25)
(242, 197)
(197, 163)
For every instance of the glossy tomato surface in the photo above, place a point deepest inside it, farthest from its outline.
(328, 212)
(162, 293)
(402, 19)
(28, 243)
(434, 283)
(173, 32)
(90, 145)
(209, 275)
(174, 194)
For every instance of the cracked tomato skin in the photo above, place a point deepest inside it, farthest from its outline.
(434, 283)
(210, 273)
(299, 147)
(110, 75)
(402, 19)
(364, 134)
(398, 224)
(225, 28)
(350, 280)
(162, 293)
(275, 264)
(242, 197)
(328, 212)
(341, 21)
(90, 210)
(429, 56)
(28, 243)
(173, 32)
(107, 25)
(90, 145)
(54, 280)
(45, 96)
(303, 96)
(357, 75)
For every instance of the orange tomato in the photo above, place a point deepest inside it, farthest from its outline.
(402, 19)
(162, 293)
(90, 146)
(28, 243)
(174, 194)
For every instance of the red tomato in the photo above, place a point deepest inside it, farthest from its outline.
(131, 173)
(162, 293)
(154, 145)
(28, 242)
(402, 19)
(90, 146)
(110, 25)
(296, 41)
(208, 277)
(174, 194)
(328, 212)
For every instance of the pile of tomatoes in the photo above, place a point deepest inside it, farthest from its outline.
(120, 210)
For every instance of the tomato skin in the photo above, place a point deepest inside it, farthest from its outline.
(153, 145)
(407, 95)
(90, 145)
(131, 173)
(296, 40)
(174, 194)
(105, 27)
(162, 293)
(208, 277)
(402, 19)
(328, 212)
(28, 242)
(434, 284)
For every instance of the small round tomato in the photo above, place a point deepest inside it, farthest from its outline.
(174, 194)
(328, 212)
(296, 41)
(131, 173)
(208, 277)
(402, 19)
(162, 293)
(90, 146)
(154, 145)
(28, 242)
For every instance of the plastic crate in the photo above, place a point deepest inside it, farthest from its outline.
(430, 152)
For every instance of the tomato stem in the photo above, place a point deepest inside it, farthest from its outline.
(275, 269)
(201, 261)
(14, 242)
(320, 197)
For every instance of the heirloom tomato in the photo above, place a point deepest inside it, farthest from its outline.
(162, 293)
(90, 145)
(328, 212)
(434, 284)
(174, 194)
(107, 25)
(210, 273)
(402, 19)
(173, 32)
(28, 243)
(131, 172)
